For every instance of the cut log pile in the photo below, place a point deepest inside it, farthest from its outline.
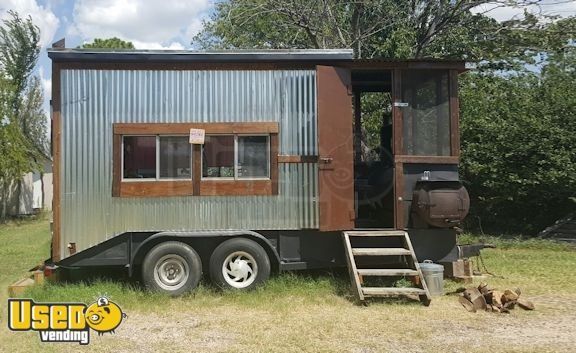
(488, 299)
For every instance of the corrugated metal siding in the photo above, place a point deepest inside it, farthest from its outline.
(92, 100)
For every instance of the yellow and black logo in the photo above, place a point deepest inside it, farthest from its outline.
(64, 322)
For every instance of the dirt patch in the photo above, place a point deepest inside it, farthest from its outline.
(178, 332)
(444, 327)
(546, 329)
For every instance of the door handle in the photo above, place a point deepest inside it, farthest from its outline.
(326, 160)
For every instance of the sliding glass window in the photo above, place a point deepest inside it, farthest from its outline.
(156, 158)
(236, 157)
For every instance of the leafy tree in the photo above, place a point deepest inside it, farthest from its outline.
(32, 116)
(518, 155)
(517, 119)
(13, 155)
(373, 28)
(23, 127)
(108, 43)
(19, 52)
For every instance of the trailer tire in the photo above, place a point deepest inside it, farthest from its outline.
(171, 267)
(239, 264)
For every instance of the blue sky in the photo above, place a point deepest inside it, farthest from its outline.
(156, 24)
(149, 24)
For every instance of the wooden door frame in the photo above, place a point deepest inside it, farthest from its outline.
(397, 149)
(400, 159)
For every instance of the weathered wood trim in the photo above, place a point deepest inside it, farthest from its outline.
(459, 66)
(357, 127)
(196, 168)
(56, 162)
(397, 134)
(427, 159)
(454, 114)
(274, 163)
(116, 164)
(236, 187)
(196, 186)
(297, 159)
(398, 148)
(399, 195)
(368, 64)
(157, 188)
(184, 128)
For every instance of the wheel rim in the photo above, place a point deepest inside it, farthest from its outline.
(239, 269)
(171, 272)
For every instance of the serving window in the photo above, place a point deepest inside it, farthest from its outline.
(253, 156)
(236, 157)
(218, 157)
(146, 158)
(175, 157)
(156, 160)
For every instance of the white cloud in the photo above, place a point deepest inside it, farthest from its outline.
(147, 22)
(546, 7)
(42, 17)
(156, 45)
(194, 28)
(47, 90)
(46, 82)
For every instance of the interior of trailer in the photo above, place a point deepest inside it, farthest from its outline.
(373, 149)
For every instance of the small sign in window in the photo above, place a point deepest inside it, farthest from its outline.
(197, 136)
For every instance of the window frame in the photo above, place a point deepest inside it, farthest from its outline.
(138, 180)
(414, 118)
(202, 160)
(400, 157)
(158, 177)
(196, 185)
(157, 157)
(268, 151)
(236, 151)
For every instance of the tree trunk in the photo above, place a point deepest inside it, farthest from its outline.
(18, 196)
(42, 187)
(4, 201)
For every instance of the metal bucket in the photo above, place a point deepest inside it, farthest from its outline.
(434, 277)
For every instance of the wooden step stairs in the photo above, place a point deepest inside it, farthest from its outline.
(406, 252)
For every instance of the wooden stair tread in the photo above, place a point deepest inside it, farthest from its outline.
(407, 251)
(387, 272)
(380, 252)
(384, 291)
(377, 233)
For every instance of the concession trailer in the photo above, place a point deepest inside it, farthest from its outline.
(238, 163)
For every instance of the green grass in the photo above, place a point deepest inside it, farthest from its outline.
(310, 311)
(540, 266)
(515, 242)
(23, 245)
(309, 288)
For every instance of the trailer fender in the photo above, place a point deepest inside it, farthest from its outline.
(259, 238)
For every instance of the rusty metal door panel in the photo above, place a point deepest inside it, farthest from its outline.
(335, 146)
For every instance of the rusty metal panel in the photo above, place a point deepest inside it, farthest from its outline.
(93, 100)
(335, 136)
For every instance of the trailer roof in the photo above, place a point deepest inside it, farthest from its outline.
(291, 57)
(130, 55)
